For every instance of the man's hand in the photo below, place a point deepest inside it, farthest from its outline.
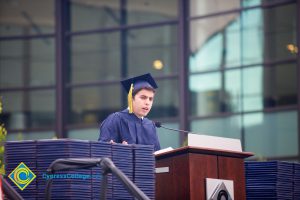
(124, 142)
(112, 142)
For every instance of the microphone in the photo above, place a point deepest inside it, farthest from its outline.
(159, 125)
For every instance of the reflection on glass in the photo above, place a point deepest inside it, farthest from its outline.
(252, 36)
(166, 98)
(11, 63)
(42, 68)
(252, 88)
(34, 109)
(26, 17)
(106, 14)
(93, 14)
(233, 91)
(214, 46)
(257, 36)
(280, 32)
(147, 46)
(280, 85)
(269, 87)
(205, 94)
(248, 3)
(27, 62)
(168, 138)
(151, 11)
(93, 104)
(248, 89)
(224, 127)
(31, 136)
(95, 57)
(204, 7)
(268, 33)
(271, 134)
(84, 134)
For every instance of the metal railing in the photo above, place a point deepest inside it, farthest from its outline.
(85, 163)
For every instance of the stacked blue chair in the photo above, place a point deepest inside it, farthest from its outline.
(269, 180)
(144, 165)
(99, 150)
(17, 152)
(123, 159)
(74, 186)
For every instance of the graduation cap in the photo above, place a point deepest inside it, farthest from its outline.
(138, 82)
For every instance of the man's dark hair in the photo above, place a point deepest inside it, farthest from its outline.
(145, 88)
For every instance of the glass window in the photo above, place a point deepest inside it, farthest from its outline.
(95, 57)
(252, 88)
(26, 17)
(232, 96)
(108, 13)
(93, 104)
(27, 62)
(256, 36)
(151, 11)
(152, 50)
(32, 109)
(84, 134)
(212, 47)
(166, 100)
(252, 36)
(280, 85)
(30, 135)
(269, 35)
(222, 127)
(205, 94)
(205, 7)
(93, 14)
(248, 3)
(271, 134)
(168, 138)
(269, 87)
(12, 65)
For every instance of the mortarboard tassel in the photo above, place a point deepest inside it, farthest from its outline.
(130, 99)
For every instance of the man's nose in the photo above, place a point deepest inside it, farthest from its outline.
(147, 101)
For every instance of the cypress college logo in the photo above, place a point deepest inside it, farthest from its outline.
(22, 176)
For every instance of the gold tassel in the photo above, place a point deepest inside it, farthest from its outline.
(130, 99)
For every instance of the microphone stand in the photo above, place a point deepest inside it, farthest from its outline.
(158, 125)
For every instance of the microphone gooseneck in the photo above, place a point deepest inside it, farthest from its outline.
(158, 125)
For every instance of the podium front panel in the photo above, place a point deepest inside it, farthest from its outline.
(233, 169)
(201, 167)
(175, 183)
(186, 176)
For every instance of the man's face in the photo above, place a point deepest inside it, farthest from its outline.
(142, 102)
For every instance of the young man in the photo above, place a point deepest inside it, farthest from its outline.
(131, 126)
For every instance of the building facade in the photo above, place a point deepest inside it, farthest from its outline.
(224, 68)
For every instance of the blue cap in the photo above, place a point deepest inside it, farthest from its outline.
(142, 81)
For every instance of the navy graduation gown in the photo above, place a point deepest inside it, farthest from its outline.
(123, 126)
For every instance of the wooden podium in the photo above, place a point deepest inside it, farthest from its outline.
(187, 168)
